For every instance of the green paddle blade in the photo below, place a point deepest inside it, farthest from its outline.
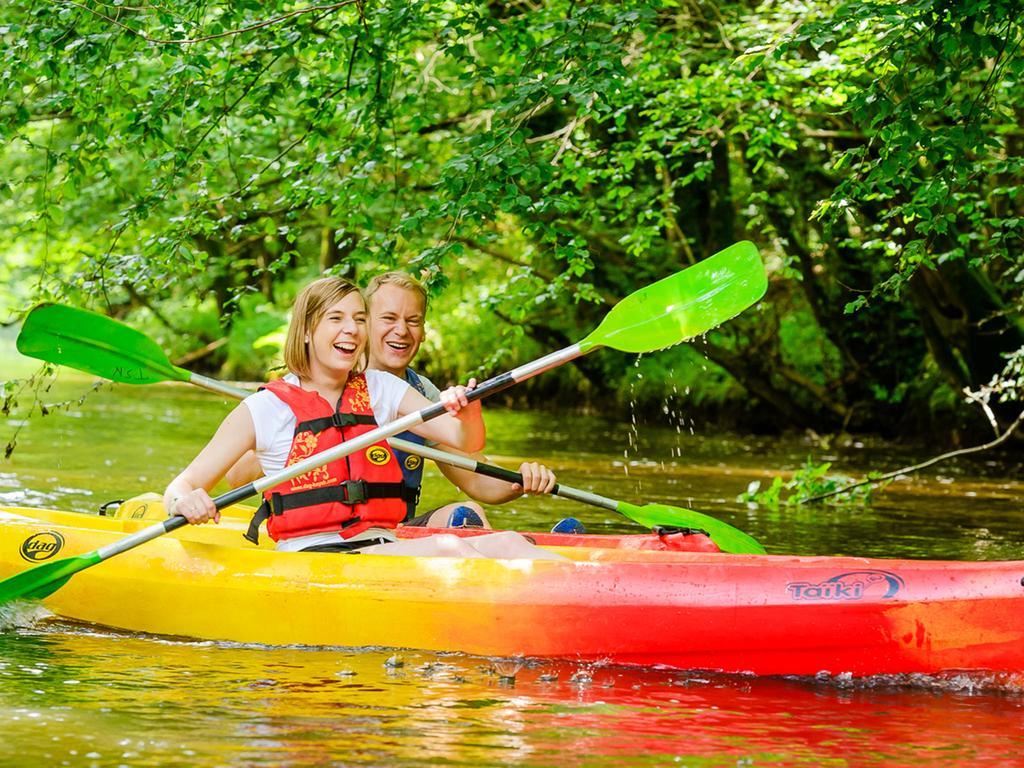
(95, 344)
(684, 305)
(727, 538)
(43, 580)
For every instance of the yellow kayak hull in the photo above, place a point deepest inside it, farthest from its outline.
(737, 613)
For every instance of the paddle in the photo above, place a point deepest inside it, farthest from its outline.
(667, 312)
(679, 307)
(727, 538)
(102, 346)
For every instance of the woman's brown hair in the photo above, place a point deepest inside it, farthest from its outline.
(309, 309)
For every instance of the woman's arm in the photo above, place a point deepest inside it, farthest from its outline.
(188, 494)
(245, 470)
(463, 425)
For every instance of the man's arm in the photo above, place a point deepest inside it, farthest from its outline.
(490, 490)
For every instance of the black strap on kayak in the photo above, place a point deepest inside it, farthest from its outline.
(105, 508)
(350, 492)
(316, 426)
(671, 530)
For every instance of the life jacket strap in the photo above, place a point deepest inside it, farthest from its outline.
(316, 426)
(349, 492)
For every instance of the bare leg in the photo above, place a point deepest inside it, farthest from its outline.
(504, 545)
(438, 545)
(510, 545)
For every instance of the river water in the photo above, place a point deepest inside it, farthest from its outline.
(78, 695)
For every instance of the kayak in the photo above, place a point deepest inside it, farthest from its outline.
(609, 601)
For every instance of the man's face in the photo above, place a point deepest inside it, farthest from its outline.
(396, 328)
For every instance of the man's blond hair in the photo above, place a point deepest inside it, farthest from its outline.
(399, 279)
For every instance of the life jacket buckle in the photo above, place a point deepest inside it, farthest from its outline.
(354, 492)
(339, 419)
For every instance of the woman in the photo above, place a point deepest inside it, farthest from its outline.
(327, 398)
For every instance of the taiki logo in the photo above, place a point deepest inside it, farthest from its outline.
(853, 585)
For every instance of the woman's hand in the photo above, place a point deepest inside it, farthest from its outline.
(537, 478)
(455, 401)
(462, 425)
(196, 506)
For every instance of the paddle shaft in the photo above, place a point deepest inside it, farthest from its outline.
(728, 538)
(499, 473)
(215, 386)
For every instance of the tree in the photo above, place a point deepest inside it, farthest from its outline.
(536, 161)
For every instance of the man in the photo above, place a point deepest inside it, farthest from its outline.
(398, 307)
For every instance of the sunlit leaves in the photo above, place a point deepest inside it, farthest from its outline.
(560, 153)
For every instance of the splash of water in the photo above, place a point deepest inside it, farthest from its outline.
(21, 614)
(633, 433)
(969, 683)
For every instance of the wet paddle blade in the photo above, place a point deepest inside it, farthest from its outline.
(686, 304)
(728, 538)
(95, 344)
(43, 580)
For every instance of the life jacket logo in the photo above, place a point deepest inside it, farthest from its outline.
(303, 446)
(377, 455)
(853, 585)
(412, 463)
(41, 546)
(358, 395)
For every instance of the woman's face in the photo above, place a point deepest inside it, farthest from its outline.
(336, 344)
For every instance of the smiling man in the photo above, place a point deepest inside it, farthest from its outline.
(398, 310)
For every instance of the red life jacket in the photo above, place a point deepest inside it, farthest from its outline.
(349, 495)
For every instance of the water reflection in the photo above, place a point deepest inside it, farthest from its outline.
(76, 696)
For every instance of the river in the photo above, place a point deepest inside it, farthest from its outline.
(79, 695)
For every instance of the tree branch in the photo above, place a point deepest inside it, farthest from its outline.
(219, 35)
(923, 465)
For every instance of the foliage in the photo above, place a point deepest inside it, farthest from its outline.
(807, 483)
(188, 165)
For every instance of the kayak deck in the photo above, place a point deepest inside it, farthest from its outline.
(235, 519)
